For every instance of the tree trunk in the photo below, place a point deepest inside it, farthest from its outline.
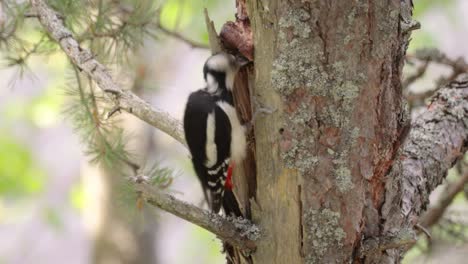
(332, 70)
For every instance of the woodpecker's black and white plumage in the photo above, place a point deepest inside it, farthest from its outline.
(214, 134)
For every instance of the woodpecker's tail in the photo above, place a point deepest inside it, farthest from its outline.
(230, 204)
(217, 187)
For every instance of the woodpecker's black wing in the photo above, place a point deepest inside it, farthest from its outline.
(199, 105)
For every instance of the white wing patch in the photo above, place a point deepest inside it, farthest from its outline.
(210, 147)
(238, 143)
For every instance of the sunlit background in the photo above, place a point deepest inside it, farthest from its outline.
(54, 205)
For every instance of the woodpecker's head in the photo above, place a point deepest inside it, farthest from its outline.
(220, 69)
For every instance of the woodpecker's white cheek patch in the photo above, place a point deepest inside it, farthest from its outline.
(210, 148)
(238, 143)
(212, 85)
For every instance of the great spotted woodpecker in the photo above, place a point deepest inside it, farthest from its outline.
(214, 134)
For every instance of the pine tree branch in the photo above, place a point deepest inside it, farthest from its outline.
(86, 62)
(437, 139)
(238, 232)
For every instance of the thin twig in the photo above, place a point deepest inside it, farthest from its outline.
(427, 56)
(84, 59)
(418, 74)
(30, 15)
(182, 38)
(421, 228)
(127, 10)
(434, 55)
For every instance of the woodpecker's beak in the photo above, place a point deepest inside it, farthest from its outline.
(241, 61)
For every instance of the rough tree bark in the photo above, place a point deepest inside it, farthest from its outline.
(332, 70)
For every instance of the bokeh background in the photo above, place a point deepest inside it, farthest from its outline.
(54, 206)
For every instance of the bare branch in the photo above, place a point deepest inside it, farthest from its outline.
(83, 59)
(420, 97)
(435, 212)
(238, 232)
(418, 74)
(434, 55)
(438, 138)
(426, 56)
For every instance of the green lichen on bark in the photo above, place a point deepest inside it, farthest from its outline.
(299, 65)
(343, 178)
(298, 155)
(323, 231)
(294, 65)
(342, 172)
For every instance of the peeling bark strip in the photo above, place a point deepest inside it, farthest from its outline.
(237, 36)
(437, 139)
(85, 60)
